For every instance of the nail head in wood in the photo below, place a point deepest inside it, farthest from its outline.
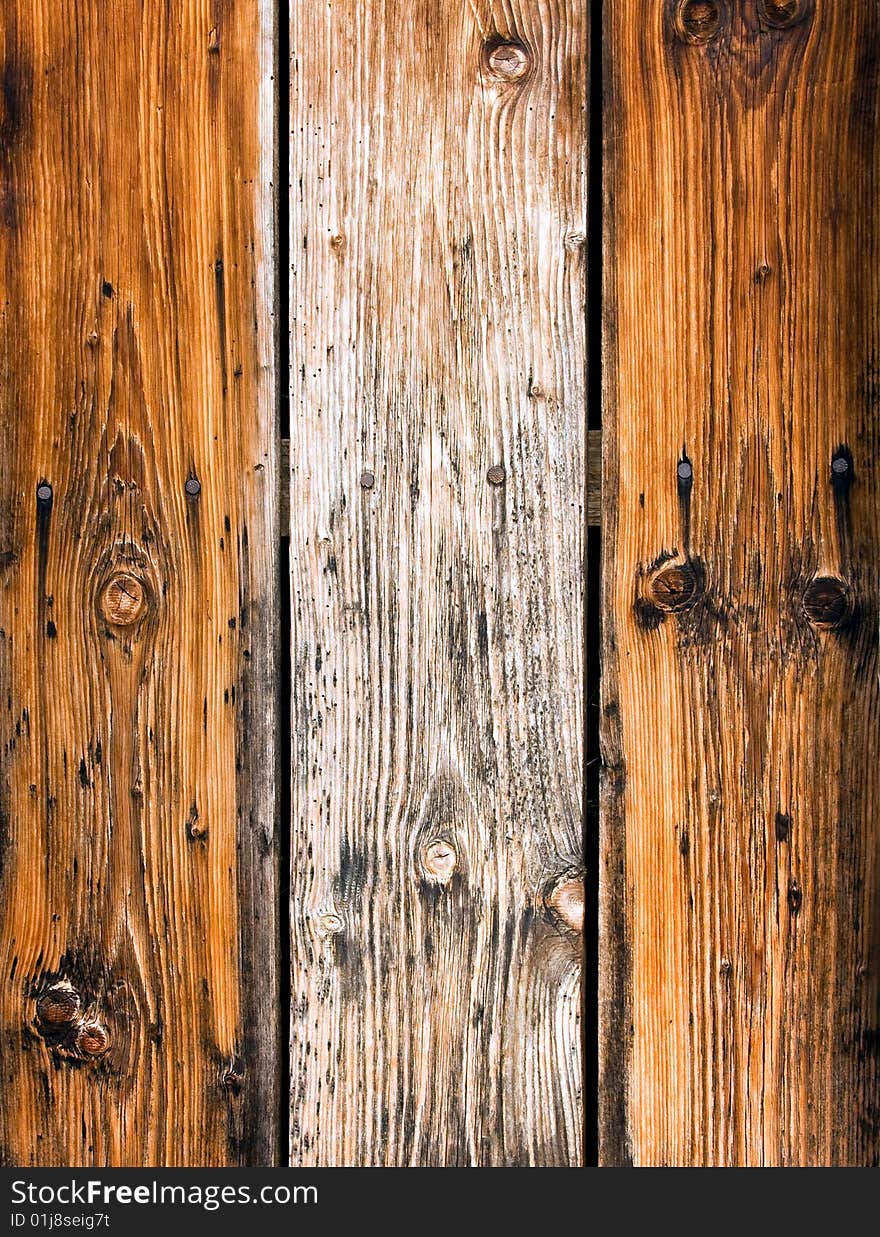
(44, 492)
(193, 486)
(367, 480)
(685, 470)
(496, 475)
(840, 465)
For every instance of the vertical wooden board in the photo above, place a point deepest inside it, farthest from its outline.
(438, 306)
(138, 989)
(740, 704)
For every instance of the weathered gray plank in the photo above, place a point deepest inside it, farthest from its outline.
(437, 522)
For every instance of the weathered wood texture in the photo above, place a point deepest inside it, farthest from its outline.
(438, 333)
(137, 900)
(594, 481)
(740, 872)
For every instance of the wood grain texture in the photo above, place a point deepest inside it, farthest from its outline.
(438, 333)
(740, 916)
(594, 481)
(138, 986)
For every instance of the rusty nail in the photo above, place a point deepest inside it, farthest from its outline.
(495, 475)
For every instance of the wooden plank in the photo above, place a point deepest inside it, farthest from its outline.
(138, 993)
(740, 703)
(437, 529)
(594, 481)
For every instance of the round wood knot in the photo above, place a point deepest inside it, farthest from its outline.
(59, 1007)
(508, 61)
(674, 588)
(439, 861)
(780, 13)
(233, 1080)
(92, 1039)
(698, 21)
(329, 923)
(826, 601)
(565, 901)
(123, 601)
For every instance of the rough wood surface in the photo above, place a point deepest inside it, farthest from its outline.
(437, 526)
(740, 916)
(138, 999)
(594, 481)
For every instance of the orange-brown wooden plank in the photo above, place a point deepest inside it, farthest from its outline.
(742, 532)
(137, 552)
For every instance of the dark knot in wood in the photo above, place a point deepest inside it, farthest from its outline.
(698, 21)
(507, 60)
(795, 897)
(233, 1080)
(92, 1039)
(826, 601)
(674, 588)
(780, 13)
(124, 600)
(59, 1007)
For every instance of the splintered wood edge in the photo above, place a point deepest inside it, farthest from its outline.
(594, 482)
